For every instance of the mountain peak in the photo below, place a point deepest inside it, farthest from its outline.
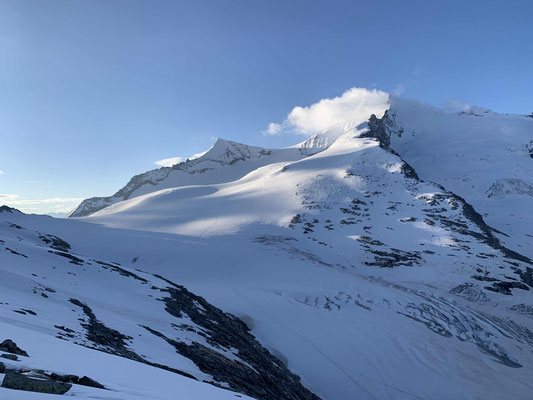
(8, 209)
(229, 152)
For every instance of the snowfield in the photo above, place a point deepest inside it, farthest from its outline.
(390, 260)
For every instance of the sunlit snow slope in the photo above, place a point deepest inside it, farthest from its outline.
(481, 155)
(224, 162)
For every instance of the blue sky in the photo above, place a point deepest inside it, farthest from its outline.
(95, 91)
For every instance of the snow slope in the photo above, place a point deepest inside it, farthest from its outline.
(50, 292)
(478, 154)
(371, 282)
(125, 379)
(224, 162)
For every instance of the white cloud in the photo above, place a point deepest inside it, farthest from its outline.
(13, 200)
(7, 197)
(273, 129)
(351, 108)
(40, 206)
(197, 155)
(169, 162)
(454, 104)
(2, 172)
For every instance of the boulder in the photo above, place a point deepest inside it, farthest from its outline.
(86, 381)
(65, 378)
(11, 357)
(10, 346)
(16, 381)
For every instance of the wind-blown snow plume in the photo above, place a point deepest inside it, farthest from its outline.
(169, 162)
(351, 108)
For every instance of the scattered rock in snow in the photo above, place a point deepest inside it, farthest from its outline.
(509, 187)
(86, 381)
(470, 292)
(10, 346)
(65, 378)
(17, 381)
(11, 357)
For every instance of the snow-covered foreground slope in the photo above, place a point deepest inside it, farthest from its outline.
(480, 155)
(124, 379)
(164, 339)
(349, 331)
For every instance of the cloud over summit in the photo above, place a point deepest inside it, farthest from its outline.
(351, 108)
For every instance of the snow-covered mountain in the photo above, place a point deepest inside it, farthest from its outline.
(481, 155)
(224, 162)
(385, 260)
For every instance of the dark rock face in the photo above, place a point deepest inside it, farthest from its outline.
(2, 368)
(505, 287)
(121, 271)
(73, 259)
(113, 341)
(379, 129)
(8, 209)
(529, 146)
(86, 381)
(65, 378)
(525, 276)
(260, 374)
(10, 346)
(16, 381)
(11, 357)
(55, 243)
(470, 292)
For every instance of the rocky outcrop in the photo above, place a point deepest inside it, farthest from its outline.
(17, 381)
(255, 372)
(10, 346)
(510, 187)
(232, 357)
(6, 209)
(86, 381)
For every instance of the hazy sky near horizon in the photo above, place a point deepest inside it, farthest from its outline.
(93, 92)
